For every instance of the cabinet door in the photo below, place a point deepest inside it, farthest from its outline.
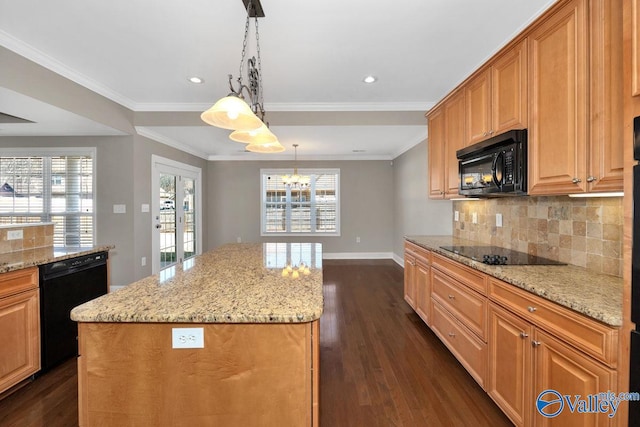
(509, 90)
(20, 338)
(509, 381)
(606, 148)
(455, 140)
(478, 110)
(436, 143)
(423, 290)
(558, 102)
(633, 7)
(560, 368)
(409, 279)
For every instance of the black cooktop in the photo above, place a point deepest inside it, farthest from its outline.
(496, 255)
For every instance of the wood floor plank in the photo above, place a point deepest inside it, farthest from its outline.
(380, 365)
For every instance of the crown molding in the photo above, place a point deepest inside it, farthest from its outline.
(50, 63)
(301, 106)
(248, 156)
(147, 133)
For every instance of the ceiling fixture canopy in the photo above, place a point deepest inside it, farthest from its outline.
(233, 112)
(295, 181)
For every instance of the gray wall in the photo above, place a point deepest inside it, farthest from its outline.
(415, 213)
(123, 176)
(366, 204)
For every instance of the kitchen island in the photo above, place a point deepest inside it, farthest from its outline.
(229, 337)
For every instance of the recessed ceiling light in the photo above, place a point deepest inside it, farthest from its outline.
(196, 80)
(370, 79)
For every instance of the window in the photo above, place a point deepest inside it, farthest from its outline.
(312, 211)
(50, 185)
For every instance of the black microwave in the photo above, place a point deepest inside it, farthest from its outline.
(495, 167)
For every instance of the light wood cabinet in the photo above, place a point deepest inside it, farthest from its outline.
(410, 278)
(510, 367)
(575, 61)
(634, 17)
(423, 289)
(496, 97)
(417, 279)
(535, 345)
(19, 326)
(436, 143)
(454, 141)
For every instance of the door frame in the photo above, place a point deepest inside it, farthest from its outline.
(161, 164)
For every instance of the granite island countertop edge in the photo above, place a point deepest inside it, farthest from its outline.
(567, 285)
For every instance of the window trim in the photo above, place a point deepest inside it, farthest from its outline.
(301, 171)
(63, 151)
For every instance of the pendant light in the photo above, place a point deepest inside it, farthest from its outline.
(246, 119)
(295, 181)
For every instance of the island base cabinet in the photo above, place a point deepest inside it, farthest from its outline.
(246, 374)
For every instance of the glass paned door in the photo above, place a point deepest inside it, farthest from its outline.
(168, 224)
(176, 213)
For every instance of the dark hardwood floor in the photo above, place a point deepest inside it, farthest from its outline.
(380, 365)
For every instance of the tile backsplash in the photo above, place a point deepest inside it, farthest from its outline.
(586, 232)
(34, 236)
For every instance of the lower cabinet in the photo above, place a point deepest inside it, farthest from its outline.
(409, 278)
(19, 326)
(515, 344)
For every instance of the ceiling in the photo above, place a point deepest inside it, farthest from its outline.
(140, 54)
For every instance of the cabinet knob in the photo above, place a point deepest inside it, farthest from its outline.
(452, 296)
(490, 132)
(576, 180)
(591, 178)
(524, 335)
(452, 335)
(485, 134)
(535, 343)
(531, 309)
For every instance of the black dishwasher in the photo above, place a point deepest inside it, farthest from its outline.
(63, 286)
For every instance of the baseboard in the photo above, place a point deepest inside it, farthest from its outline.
(399, 260)
(357, 255)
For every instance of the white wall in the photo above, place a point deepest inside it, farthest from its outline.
(415, 213)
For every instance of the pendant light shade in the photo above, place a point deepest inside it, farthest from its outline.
(270, 147)
(232, 112)
(262, 135)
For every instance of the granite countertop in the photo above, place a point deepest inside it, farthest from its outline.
(236, 283)
(34, 257)
(595, 295)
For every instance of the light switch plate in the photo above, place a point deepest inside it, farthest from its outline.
(119, 209)
(187, 337)
(144, 207)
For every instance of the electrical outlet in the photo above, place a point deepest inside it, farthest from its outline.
(144, 207)
(239, 239)
(474, 218)
(143, 261)
(187, 337)
(498, 220)
(358, 239)
(456, 216)
(14, 234)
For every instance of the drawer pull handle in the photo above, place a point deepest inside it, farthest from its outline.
(452, 335)
(523, 335)
(531, 309)
(535, 343)
(452, 296)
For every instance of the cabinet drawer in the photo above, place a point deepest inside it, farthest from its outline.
(466, 305)
(419, 252)
(594, 338)
(474, 279)
(465, 346)
(18, 281)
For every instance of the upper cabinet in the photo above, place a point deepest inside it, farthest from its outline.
(562, 80)
(446, 136)
(496, 96)
(575, 144)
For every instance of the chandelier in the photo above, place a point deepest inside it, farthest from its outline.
(295, 181)
(234, 113)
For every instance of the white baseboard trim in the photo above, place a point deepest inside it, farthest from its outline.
(399, 260)
(357, 255)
